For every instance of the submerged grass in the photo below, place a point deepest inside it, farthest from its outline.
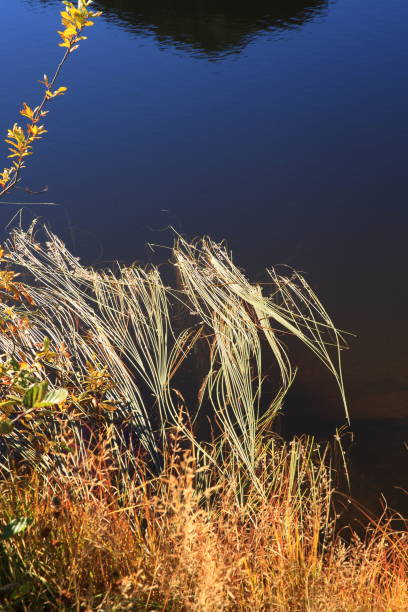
(124, 504)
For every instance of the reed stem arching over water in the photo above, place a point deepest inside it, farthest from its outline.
(100, 449)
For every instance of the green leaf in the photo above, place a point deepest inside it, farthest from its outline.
(21, 591)
(6, 427)
(35, 394)
(55, 396)
(15, 365)
(16, 526)
(61, 448)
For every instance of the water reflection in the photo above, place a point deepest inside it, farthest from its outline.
(210, 27)
(213, 28)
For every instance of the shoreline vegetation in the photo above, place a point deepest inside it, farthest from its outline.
(111, 498)
(139, 468)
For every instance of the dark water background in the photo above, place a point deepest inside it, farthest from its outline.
(280, 126)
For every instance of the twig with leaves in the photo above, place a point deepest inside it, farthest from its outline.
(21, 139)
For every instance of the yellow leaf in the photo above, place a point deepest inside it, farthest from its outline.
(26, 111)
(106, 406)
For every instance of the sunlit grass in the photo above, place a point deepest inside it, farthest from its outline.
(128, 506)
(165, 543)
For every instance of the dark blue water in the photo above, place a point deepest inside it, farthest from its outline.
(279, 126)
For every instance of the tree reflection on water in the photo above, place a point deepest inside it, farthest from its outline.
(211, 27)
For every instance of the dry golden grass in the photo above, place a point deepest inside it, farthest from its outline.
(167, 544)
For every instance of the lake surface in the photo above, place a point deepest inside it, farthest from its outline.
(279, 126)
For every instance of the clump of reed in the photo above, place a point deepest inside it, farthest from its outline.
(110, 497)
(125, 326)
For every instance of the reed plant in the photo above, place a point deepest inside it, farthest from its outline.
(108, 338)
(125, 504)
